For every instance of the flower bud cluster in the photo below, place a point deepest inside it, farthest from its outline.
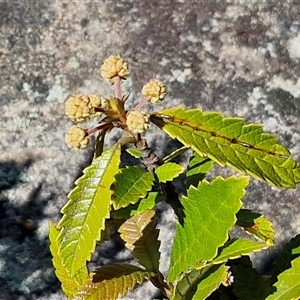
(80, 108)
(114, 66)
(77, 137)
(155, 90)
(137, 121)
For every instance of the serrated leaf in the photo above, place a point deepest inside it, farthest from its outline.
(141, 236)
(236, 248)
(168, 171)
(210, 213)
(289, 252)
(112, 281)
(256, 225)
(248, 284)
(197, 169)
(199, 284)
(132, 184)
(68, 284)
(135, 152)
(228, 141)
(288, 284)
(86, 211)
(144, 204)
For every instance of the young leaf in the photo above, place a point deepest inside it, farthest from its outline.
(288, 284)
(228, 141)
(197, 169)
(135, 152)
(209, 215)
(168, 171)
(175, 154)
(248, 285)
(99, 145)
(68, 284)
(257, 225)
(86, 211)
(112, 281)
(236, 248)
(147, 203)
(141, 237)
(288, 253)
(132, 184)
(199, 284)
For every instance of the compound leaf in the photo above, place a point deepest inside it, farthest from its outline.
(228, 141)
(68, 284)
(236, 248)
(132, 184)
(141, 237)
(256, 225)
(209, 215)
(86, 211)
(168, 171)
(112, 281)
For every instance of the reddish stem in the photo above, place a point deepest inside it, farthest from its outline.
(118, 92)
(142, 103)
(97, 128)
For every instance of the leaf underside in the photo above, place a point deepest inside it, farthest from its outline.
(228, 141)
(68, 284)
(112, 281)
(86, 211)
(141, 237)
(132, 184)
(210, 211)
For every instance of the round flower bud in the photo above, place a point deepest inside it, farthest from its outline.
(154, 89)
(137, 121)
(80, 108)
(77, 137)
(114, 66)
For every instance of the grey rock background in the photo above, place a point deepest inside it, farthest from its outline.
(238, 57)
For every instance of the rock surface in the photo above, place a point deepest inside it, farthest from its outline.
(237, 57)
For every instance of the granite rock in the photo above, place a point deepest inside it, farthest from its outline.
(237, 57)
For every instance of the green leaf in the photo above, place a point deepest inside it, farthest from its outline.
(132, 184)
(68, 284)
(99, 145)
(210, 213)
(135, 152)
(289, 252)
(147, 203)
(175, 154)
(199, 284)
(228, 141)
(86, 211)
(112, 281)
(248, 285)
(141, 237)
(211, 282)
(168, 171)
(288, 284)
(235, 248)
(256, 225)
(197, 169)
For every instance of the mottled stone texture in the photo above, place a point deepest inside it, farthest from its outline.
(238, 57)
